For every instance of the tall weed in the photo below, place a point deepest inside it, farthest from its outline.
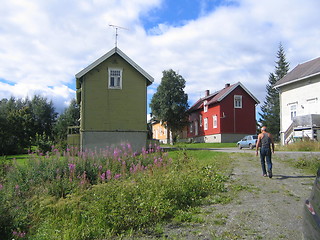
(305, 145)
(96, 195)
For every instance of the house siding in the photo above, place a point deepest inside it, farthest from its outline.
(232, 123)
(110, 117)
(238, 120)
(301, 94)
(107, 109)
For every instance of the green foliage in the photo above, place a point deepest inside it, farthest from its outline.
(270, 115)
(311, 163)
(43, 142)
(22, 120)
(170, 103)
(76, 195)
(70, 117)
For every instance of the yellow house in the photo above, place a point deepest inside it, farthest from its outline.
(112, 93)
(161, 133)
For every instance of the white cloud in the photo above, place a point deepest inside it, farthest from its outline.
(45, 43)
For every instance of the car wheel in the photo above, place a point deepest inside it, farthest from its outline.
(239, 146)
(250, 146)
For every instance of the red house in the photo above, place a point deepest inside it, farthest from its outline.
(224, 116)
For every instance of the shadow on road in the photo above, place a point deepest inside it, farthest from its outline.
(282, 177)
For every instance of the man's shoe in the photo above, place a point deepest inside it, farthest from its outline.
(270, 173)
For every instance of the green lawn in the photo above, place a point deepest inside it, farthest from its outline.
(201, 145)
(20, 159)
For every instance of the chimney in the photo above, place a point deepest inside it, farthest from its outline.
(207, 92)
(227, 85)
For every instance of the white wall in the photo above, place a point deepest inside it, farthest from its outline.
(305, 95)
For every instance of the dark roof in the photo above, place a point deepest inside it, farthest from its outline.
(219, 96)
(300, 72)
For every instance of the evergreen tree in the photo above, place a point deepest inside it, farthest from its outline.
(170, 103)
(270, 115)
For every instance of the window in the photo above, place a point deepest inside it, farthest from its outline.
(293, 111)
(196, 128)
(200, 120)
(191, 127)
(215, 121)
(205, 106)
(115, 78)
(237, 101)
(205, 122)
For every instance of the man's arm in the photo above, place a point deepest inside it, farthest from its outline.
(258, 143)
(272, 142)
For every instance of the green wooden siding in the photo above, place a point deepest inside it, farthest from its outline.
(104, 109)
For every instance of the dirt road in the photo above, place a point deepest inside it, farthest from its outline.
(264, 209)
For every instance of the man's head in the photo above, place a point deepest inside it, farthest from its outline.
(263, 129)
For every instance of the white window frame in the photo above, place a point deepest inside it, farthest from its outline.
(196, 129)
(200, 120)
(215, 121)
(237, 101)
(114, 83)
(191, 127)
(205, 106)
(205, 123)
(293, 110)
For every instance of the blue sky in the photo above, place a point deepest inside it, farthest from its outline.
(209, 42)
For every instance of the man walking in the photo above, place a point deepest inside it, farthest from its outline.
(265, 139)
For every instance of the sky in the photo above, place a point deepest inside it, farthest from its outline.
(43, 44)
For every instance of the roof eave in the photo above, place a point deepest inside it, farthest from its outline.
(124, 56)
(296, 80)
(234, 87)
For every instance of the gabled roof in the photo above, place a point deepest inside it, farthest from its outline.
(219, 96)
(109, 54)
(300, 72)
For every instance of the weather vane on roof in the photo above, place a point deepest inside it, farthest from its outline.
(116, 28)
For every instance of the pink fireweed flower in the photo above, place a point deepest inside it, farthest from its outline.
(117, 176)
(17, 187)
(1, 186)
(108, 172)
(71, 167)
(103, 176)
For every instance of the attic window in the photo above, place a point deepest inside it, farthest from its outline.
(237, 101)
(205, 106)
(115, 78)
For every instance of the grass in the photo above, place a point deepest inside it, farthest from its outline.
(201, 145)
(305, 146)
(20, 159)
(99, 196)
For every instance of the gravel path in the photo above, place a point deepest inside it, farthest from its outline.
(264, 208)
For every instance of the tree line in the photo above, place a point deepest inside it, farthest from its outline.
(25, 123)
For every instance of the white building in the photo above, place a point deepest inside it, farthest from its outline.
(300, 102)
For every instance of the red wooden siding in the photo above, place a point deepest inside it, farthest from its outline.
(230, 120)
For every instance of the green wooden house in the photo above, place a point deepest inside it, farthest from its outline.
(112, 93)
